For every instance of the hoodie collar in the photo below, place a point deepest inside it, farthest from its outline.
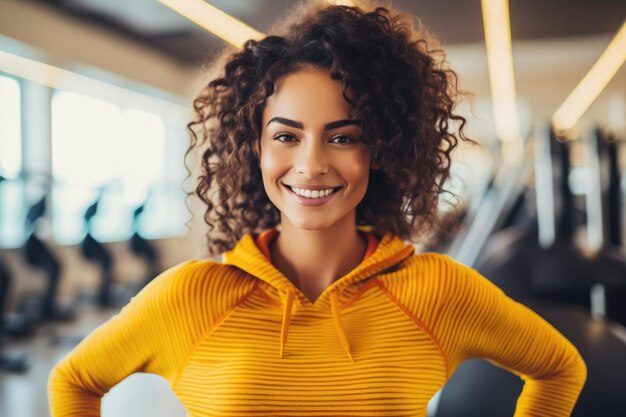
(251, 254)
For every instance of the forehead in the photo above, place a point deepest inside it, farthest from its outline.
(310, 96)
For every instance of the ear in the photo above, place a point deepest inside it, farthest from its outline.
(373, 164)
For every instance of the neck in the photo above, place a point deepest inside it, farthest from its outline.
(314, 259)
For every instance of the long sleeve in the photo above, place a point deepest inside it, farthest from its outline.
(478, 320)
(150, 334)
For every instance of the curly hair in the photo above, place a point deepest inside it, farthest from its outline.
(402, 92)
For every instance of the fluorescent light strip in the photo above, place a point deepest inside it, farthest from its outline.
(32, 70)
(500, 61)
(214, 20)
(222, 24)
(65, 80)
(592, 84)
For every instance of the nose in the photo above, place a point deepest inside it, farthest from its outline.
(311, 160)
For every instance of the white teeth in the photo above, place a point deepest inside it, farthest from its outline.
(312, 194)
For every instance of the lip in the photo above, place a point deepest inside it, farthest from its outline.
(312, 187)
(311, 201)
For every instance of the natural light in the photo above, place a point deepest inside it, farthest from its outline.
(100, 149)
(11, 188)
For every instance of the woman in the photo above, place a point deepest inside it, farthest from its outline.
(324, 148)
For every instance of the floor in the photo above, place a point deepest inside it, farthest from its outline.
(25, 394)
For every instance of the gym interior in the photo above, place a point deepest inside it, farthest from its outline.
(95, 96)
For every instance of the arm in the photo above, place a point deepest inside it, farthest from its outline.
(149, 334)
(480, 321)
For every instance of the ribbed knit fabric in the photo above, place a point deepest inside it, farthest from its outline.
(237, 338)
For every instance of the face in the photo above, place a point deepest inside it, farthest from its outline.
(309, 141)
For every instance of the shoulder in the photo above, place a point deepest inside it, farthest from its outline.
(418, 276)
(431, 276)
(198, 284)
(199, 273)
(430, 266)
(441, 267)
(181, 275)
(432, 261)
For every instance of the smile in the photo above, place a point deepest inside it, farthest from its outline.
(312, 198)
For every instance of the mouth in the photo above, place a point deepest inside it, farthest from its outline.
(319, 195)
(314, 199)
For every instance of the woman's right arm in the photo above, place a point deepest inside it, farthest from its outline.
(148, 335)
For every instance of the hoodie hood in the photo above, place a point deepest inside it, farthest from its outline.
(251, 254)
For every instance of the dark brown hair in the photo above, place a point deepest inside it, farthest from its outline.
(403, 94)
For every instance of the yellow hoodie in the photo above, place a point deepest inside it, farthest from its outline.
(237, 338)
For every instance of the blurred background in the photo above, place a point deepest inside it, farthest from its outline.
(94, 99)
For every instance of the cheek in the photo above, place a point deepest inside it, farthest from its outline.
(356, 168)
(272, 164)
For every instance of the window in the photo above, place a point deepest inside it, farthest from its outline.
(12, 208)
(101, 150)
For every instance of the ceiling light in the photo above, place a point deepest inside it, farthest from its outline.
(592, 84)
(214, 20)
(64, 80)
(500, 61)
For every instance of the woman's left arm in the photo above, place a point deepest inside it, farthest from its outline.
(480, 321)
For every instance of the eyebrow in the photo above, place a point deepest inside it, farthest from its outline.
(328, 126)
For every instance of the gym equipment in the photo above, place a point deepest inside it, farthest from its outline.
(143, 248)
(614, 195)
(481, 389)
(37, 254)
(94, 251)
(7, 363)
(536, 263)
(608, 152)
(560, 272)
(110, 293)
(493, 211)
(12, 323)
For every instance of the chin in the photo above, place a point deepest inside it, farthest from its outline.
(311, 225)
(308, 221)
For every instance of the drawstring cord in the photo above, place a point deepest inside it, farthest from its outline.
(286, 319)
(334, 306)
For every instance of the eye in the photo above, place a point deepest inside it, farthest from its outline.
(346, 140)
(338, 139)
(283, 137)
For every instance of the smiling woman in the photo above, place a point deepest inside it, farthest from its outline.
(379, 73)
(313, 146)
(319, 151)
(325, 145)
